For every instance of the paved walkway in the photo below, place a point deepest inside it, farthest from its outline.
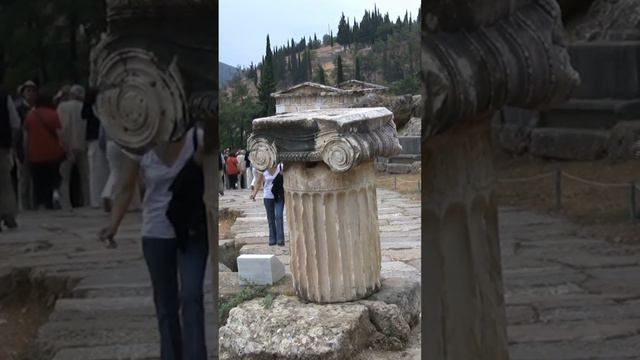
(568, 297)
(108, 313)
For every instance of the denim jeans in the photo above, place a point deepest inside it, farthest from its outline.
(275, 217)
(164, 261)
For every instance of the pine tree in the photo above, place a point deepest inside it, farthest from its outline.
(267, 83)
(339, 70)
(358, 75)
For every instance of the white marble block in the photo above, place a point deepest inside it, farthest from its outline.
(259, 269)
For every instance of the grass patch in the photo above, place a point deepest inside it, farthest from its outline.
(268, 301)
(249, 292)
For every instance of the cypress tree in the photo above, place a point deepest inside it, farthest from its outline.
(339, 72)
(358, 74)
(320, 76)
(267, 83)
(331, 38)
(309, 72)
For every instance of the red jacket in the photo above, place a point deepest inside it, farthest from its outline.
(232, 165)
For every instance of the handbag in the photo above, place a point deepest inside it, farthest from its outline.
(187, 211)
(277, 188)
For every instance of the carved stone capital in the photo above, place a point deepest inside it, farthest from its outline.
(341, 138)
(518, 60)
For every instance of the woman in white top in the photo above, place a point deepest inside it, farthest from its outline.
(164, 254)
(273, 205)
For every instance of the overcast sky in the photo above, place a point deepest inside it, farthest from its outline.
(244, 24)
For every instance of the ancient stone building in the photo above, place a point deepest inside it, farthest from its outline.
(601, 117)
(314, 96)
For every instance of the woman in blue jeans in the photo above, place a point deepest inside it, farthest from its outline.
(274, 208)
(165, 255)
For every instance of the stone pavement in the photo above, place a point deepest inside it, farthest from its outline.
(568, 297)
(107, 311)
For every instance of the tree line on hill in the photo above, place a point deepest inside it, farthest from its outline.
(376, 49)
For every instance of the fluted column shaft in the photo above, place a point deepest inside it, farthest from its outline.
(333, 227)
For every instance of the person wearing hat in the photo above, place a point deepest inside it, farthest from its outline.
(74, 129)
(28, 93)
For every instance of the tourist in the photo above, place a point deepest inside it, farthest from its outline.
(248, 171)
(222, 172)
(64, 94)
(44, 153)
(233, 169)
(28, 93)
(9, 128)
(166, 252)
(241, 170)
(74, 132)
(98, 167)
(272, 181)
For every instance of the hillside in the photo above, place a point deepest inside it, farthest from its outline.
(225, 73)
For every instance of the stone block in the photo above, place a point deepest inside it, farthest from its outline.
(259, 269)
(568, 144)
(399, 168)
(410, 144)
(621, 139)
(608, 69)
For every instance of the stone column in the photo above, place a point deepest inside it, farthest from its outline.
(478, 56)
(330, 195)
(149, 69)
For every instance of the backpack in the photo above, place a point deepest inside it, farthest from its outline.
(277, 188)
(187, 211)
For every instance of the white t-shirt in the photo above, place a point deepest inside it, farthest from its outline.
(74, 127)
(268, 181)
(158, 177)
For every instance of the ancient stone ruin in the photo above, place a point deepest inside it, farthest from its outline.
(478, 56)
(310, 95)
(601, 118)
(330, 195)
(153, 87)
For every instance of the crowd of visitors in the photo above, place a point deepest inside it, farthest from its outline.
(54, 152)
(236, 171)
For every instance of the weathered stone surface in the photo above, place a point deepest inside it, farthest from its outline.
(621, 140)
(289, 329)
(411, 128)
(223, 268)
(608, 69)
(404, 107)
(292, 330)
(150, 90)
(501, 59)
(568, 144)
(410, 144)
(604, 20)
(512, 129)
(403, 292)
(394, 168)
(520, 314)
(227, 254)
(393, 330)
(341, 138)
